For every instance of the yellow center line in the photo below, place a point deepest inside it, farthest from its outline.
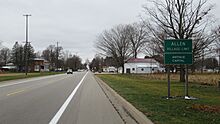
(20, 91)
(13, 93)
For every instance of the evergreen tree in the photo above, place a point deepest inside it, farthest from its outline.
(30, 53)
(21, 61)
(18, 55)
(14, 54)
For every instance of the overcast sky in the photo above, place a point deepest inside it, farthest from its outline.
(75, 24)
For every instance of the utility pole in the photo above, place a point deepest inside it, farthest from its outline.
(218, 60)
(202, 61)
(26, 44)
(57, 56)
(75, 61)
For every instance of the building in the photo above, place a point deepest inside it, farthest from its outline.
(38, 65)
(141, 65)
(8, 67)
(110, 69)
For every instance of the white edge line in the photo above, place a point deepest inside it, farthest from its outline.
(64, 106)
(21, 82)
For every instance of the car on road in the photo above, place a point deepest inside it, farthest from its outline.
(69, 71)
(217, 70)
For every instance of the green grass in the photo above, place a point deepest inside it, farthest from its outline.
(14, 76)
(148, 96)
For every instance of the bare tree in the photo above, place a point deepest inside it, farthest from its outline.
(137, 37)
(217, 33)
(49, 54)
(74, 62)
(4, 56)
(115, 43)
(178, 19)
(217, 45)
(96, 63)
(155, 44)
(59, 57)
(202, 46)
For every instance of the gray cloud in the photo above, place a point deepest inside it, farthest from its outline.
(73, 23)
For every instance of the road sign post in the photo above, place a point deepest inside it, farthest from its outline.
(168, 83)
(186, 82)
(178, 52)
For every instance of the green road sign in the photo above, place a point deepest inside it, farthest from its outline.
(178, 51)
(178, 59)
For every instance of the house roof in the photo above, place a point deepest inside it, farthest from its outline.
(147, 66)
(38, 59)
(8, 67)
(141, 60)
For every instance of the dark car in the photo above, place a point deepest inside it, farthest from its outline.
(69, 71)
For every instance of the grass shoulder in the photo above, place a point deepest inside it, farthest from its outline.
(14, 76)
(147, 95)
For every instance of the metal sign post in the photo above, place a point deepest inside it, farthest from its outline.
(186, 82)
(168, 83)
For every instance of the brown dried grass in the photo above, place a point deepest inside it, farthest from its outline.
(204, 79)
(206, 108)
(10, 74)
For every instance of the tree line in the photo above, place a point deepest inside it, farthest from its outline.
(163, 19)
(55, 56)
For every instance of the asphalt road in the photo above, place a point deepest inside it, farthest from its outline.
(63, 99)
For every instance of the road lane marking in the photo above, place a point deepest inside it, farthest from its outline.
(32, 86)
(16, 92)
(57, 116)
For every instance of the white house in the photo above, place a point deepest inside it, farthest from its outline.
(141, 65)
(110, 69)
(9, 66)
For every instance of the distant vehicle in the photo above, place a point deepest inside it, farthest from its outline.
(216, 70)
(58, 70)
(69, 71)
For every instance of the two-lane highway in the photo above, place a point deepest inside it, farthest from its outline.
(64, 99)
